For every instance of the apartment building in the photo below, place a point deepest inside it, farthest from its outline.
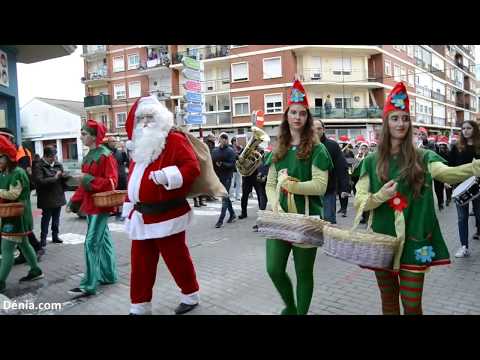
(354, 79)
(117, 75)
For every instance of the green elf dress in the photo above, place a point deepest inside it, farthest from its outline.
(412, 220)
(15, 187)
(306, 177)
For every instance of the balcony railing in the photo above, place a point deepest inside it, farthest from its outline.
(204, 53)
(421, 90)
(97, 100)
(219, 118)
(155, 62)
(348, 113)
(217, 85)
(438, 96)
(423, 118)
(439, 121)
(311, 75)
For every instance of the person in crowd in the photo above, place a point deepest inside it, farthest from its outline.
(122, 166)
(237, 178)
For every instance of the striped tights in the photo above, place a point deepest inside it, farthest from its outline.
(407, 285)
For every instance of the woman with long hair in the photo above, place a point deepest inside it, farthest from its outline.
(466, 149)
(299, 165)
(396, 185)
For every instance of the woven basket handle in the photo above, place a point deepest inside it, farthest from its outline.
(113, 184)
(292, 199)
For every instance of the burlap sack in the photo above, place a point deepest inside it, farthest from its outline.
(207, 183)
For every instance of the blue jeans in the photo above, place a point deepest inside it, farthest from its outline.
(226, 203)
(330, 207)
(463, 214)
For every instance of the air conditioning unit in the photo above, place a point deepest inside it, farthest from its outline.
(316, 76)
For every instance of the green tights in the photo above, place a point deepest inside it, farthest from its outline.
(8, 249)
(304, 259)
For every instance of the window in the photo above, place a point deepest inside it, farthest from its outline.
(403, 73)
(133, 61)
(104, 119)
(272, 68)
(342, 66)
(411, 78)
(241, 105)
(410, 51)
(412, 107)
(396, 72)
(240, 71)
(343, 103)
(118, 64)
(134, 89)
(121, 118)
(119, 91)
(273, 103)
(388, 67)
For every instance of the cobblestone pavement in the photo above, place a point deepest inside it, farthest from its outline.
(230, 264)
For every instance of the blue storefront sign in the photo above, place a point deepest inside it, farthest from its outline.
(194, 119)
(193, 97)
(193, 108)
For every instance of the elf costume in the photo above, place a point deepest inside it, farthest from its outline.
(412, 220)
(100, 169)
(305, 177)
(156, 210)
(15, 187)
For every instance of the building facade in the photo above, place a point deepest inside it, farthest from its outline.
(346, 84)
(53, 122)
(9, 56)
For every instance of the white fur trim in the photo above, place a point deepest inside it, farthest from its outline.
(138, 230)
(129, 145)
(135, 181)
(127, 207)
(141, 308)
(190, 299)
(174, 176)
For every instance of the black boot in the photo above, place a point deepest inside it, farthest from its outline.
(195, 202)
(202, 202)
(242, 216)
(56, 239)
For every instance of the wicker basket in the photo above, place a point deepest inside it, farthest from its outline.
(109, 198)
(11, 210)
(365, 248)
(291, 227)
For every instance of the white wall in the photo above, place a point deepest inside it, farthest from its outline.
(39, 119)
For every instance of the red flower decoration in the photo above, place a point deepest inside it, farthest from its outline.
(398, 202)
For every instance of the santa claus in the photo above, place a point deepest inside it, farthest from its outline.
(157, 213)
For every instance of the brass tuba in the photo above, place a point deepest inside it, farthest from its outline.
(250, 158)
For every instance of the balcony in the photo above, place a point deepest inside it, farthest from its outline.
(423, 118)
(94, 52)
(422, 64)
(154, 64)
(311, 75)
(217, 85)
(421, 90)
(438, 96)
(97, 102)
(203, 53)
(439, 121)
(219, 118)
(96, 78)
(349, 113)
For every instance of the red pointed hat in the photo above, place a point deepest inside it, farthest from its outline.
(297, 95)
(397, 100)
(359, 139)
(344, 139)
(97, 129)
(423, 130)
(7, 148)
(442, 140)
(130, 123)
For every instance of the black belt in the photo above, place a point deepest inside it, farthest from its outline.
(156, 208)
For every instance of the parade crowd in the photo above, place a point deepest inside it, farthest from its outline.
(398, 182)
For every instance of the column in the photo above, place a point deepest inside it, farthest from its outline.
(79, 151)
(59, 150)
(39, 147)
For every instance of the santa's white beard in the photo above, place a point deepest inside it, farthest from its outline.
(148, 144)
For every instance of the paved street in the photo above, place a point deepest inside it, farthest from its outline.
(230, 264)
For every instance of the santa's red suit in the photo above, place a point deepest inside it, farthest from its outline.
(158, 213)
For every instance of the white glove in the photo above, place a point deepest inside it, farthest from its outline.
(158, 177)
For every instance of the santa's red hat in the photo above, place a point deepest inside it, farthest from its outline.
(96, 129)
(7, 148)
(297, 95)
(359, 139)
(423, 130)
(147, 105)
(442, 140)
(397, 100)
(432, 138)
(343, 139)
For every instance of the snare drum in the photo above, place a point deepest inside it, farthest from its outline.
(467, 191)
